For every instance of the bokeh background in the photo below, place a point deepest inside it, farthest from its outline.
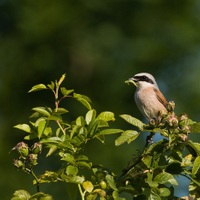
(98, 44)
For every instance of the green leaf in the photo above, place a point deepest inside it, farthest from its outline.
(154, 196)
(51, 86)
(48, 177)
(196, 166)
(41, 196)
(42, 110)
(134, 121)
(165, 177)
(127, 136)
(52, 149)
(62, 78)
(52, 140)
(82, 158)
(156, 146)
(55, 117)
(106, 116)
(109, 131)
(23, 127)
(83, 99)
(61, 111)
(164, 192)
(88, 186)
(80, 121)
(116, 196)
(35, 115)
(92, 128)
(73, 179)
(195, 146)
(67, 157)
(102, 123)
(195, 127)
(38, 87)
(84, 164)
(66, 92)
(21, 195)
(90, 116)
(82, 96)
(71, 170)
(41, 127)
(147, 160)
(111, 182)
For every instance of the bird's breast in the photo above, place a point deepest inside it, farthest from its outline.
(148, 103)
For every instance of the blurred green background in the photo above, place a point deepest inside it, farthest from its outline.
(99, 44)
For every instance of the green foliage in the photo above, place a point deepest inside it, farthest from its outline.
(149, 175)
(152, 171)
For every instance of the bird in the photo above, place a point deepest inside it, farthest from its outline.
(148, 97)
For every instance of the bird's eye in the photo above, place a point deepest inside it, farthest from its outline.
(144, 78)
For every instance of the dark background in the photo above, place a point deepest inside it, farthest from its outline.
(99, 45)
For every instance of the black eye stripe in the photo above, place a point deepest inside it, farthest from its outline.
(143, 78)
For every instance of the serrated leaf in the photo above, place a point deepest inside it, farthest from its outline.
(109, 131)
(165, 177)
(127, 136)
(111, 182)
(21, 195)
(23, 127)
(134, 121)
(106, 116)
(196, 166)
(71, 170)
(42, 110)
(38, 87)
(88, 186)
(90, 115)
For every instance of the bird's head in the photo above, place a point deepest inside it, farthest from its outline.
(142, 80)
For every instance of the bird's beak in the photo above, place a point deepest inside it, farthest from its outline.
(131, 80)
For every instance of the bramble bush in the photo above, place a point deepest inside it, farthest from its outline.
(148, 176)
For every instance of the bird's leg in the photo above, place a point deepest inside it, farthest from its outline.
(149, 139)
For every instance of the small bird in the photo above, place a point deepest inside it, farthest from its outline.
(148, 97)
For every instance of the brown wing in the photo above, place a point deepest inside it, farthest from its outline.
(160, 97)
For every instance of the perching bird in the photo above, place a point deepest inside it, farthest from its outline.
(148, 97)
